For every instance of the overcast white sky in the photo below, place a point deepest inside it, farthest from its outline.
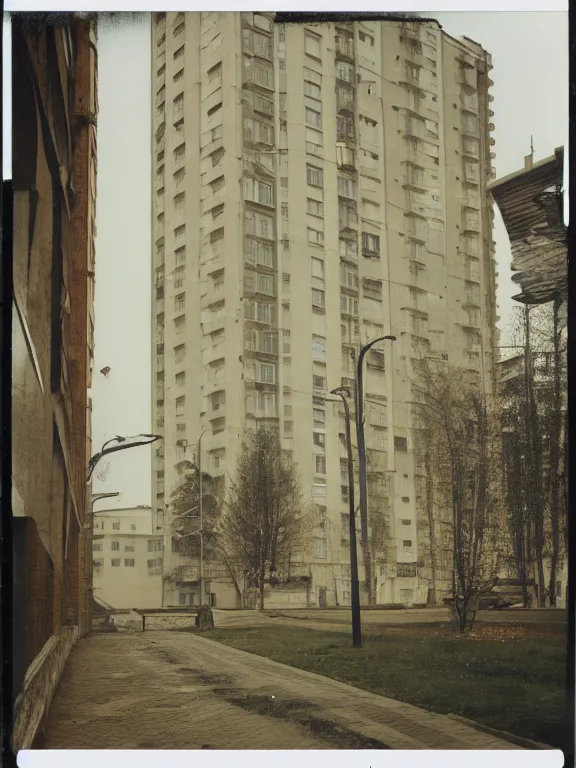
(530, 57)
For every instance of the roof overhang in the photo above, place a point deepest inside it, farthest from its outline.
(531, 205)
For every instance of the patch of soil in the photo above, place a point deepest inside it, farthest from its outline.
(300, 712)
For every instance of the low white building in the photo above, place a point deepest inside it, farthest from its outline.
(128, 558)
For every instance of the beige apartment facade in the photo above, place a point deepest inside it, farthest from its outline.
(316, 187)
(127, 558)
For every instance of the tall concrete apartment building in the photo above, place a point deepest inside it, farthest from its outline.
(316, 186)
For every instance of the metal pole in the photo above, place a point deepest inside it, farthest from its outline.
(363, 482)
(200, 506)
(354, 584)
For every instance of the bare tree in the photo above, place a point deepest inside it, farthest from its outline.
(265, 520)
(533, 421)
(463, 462)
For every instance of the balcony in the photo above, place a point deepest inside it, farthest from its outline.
(415, 128)
(469, 102)
(467, 77)
(187, 574)
(214, 295)
(344, 129)
(347, 219)
(345, 99)
(344, 47)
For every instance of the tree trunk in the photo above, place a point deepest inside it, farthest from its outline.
(535, 463)
(261, 587)
(555, 437)
(431, 523)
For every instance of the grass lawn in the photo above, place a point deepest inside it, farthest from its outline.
(507, 677)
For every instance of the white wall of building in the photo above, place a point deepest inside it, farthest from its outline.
(128, 558)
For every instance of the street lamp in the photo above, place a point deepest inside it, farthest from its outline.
(201, 532)
(120, 444)
(344, 393)
(99, 496)
(363, 483)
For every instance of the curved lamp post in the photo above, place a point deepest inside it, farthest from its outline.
(344, 393)
(118, 443)
(363, 482)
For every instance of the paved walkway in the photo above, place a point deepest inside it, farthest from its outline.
(179, 691)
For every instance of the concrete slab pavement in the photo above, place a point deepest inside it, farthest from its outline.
(181, 691)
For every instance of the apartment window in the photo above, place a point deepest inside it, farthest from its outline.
(179, 53)
(348, 305)
(319, 547)
(313, 45)
(345, 71)
(98, 564)
(180, 255)
(179, 275)
(217, 234)
(96, 547)
(365, 38)
(258, 191)
(216, 157)
(267, 373)
(214, 109)
(180, 302)
(313, 118)
(179, 201)
(115, 545)
(179, 353)
(319, 348)
(179, 75)
(346, 187)
(216, 133)
(180, 427)
(314, 176)
(257, 132)
(400, 444)
(116, 526)
(179, 103)
(312, 89)
(319, 417)
(348, 276)
(155, 546)
(180, 379)
(286, 341)
(180, 403)
(259, 224)
(265, 284)
(317, 268)
(407, 543)
(405, 570)
(115, 562)
(315, 236)
(215, 72)
(129, 562)
(314, 142)
(370, 244)
(319, 438)
(318, 298)
(180, 153)
(318, 382)
(315, 207)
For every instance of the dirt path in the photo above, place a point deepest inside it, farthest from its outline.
(180, 691)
